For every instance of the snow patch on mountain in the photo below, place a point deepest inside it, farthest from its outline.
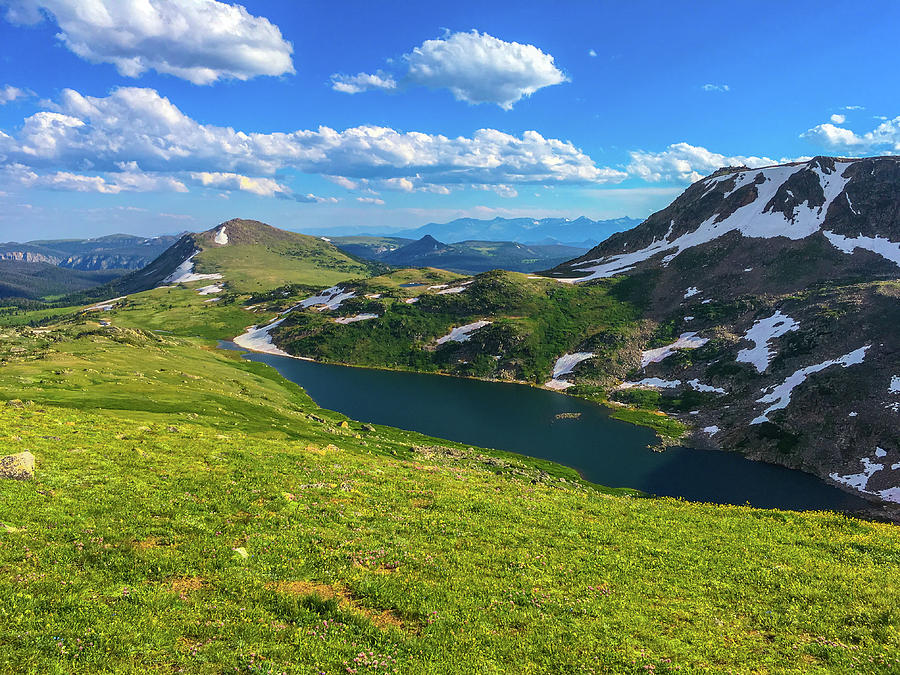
(329, 299)
(354, 319)
(860, 481)
(693, 290)
(780, 396)
(706, 388)
(760, 334)
(894, 386)
(757, 219)
(259, 339)
(565, 365)
(462, 333)
(211, 289)
(685, 341)
(221, 237)
(105, 305)
(184, 273)
(658, 383)
(884, 247)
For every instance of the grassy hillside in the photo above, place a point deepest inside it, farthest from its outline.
(255, 257)
(533, 322)
(194, 512)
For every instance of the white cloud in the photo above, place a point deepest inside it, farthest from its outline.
(834, 137)
(9, 93)
(854, 107)
(129, 179)
(591, 52)
(475, 67)
(201, 41)
(884, 138)
(686, 163)
(838, 119)
(264, 187)
(370, 200)
(136, 124)
(315, 199)
(716, 87)
(354, 84)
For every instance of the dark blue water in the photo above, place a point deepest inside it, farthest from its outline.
(522, 419)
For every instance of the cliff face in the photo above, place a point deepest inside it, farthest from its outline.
(119, 252)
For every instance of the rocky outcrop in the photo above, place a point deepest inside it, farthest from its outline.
(17, 467)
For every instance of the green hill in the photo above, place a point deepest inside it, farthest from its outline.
(256, 256)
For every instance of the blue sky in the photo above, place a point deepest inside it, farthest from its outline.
(153, 116)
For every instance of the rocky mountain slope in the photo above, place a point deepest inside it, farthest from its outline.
(774, 293)
(467, 257)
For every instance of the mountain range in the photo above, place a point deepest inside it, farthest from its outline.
(579, 232)
(114, 251)
(40, 268)
(469, 257)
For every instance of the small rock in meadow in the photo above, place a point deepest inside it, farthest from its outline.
(241, 552)
(17, 467)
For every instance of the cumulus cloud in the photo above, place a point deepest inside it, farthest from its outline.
(838, 119)
(475, 67)
(137, 124)
(264, 187)
(370, 200)
(592, 53)
(686, 163)
(9, 93)
(716, 87)
(354, 84)
(129, 179)
(201, 41)
(884, 138)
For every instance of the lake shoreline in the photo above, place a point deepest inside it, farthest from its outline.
(841, 501)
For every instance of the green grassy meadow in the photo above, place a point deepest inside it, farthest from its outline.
(370, 549)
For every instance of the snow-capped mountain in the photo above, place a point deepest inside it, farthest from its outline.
(773, 298)
(852, 204)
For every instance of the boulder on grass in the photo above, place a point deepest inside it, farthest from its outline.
(17, 467)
